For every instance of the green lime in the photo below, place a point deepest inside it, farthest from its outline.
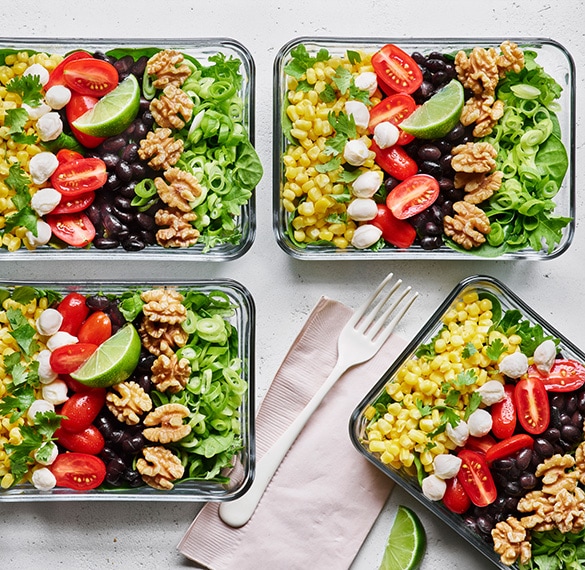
(114, 112)
(113, 361)
(407, 542)
(437, 116)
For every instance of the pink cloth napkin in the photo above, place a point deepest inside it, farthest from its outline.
(324, 498)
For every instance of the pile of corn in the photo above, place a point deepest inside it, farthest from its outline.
(10, 151)
(308, 194)
(402, 432)
(10, 431)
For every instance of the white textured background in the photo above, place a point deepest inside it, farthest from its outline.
(131, 535)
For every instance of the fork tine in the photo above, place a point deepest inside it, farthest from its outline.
(362, 310)
(371, 315)
(387, 330)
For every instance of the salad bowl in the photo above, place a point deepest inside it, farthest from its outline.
(111, 213)
(216, 450)
(313, 181)
(475, 520)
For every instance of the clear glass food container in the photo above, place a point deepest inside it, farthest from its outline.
(551, 55)
(484, 286)
(200, 49)
(241, 474)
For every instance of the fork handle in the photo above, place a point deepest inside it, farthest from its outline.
(238, 512)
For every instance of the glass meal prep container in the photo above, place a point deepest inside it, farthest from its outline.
(140, 205)
(313, 180)
(212, 341)
(389, 391)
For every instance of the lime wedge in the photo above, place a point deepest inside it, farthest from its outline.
(406, 543)
(437, 116)
(114, 112)
(113, 361)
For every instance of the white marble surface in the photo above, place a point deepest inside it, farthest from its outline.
(132, 535)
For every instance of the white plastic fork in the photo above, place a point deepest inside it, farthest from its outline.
(359, 340)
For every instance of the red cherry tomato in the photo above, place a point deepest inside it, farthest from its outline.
(75, 204)
(96, 328)
(77, 106)
(395, 161)
(90, 440)
(397, 232)
(81, 409)
(393, 109)
(480, 444)
(56, 76)
(67, 359)
(509, 446)
(475, 477)
(77, 177)
(566, 375)
(78, 471)
(75, 386)
(74, 310)
(532, 406)
(74, 229)
(413, 196)
(504, 414)
(455, 498)
(94, 77)
(396, 70)
(65, 155)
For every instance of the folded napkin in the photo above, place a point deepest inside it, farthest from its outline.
(324, 498)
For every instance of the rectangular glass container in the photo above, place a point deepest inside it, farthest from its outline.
(551, 55)
(202, 50)
(358, 422)
(241, 475)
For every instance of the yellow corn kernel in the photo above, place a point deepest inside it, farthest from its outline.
(7, 481)
(470, 297)
(383, 426)
(300, 235)
(314, 194)
(392, 447)
(377, 446)
(426, 458)
(306, 208)
(426, 425)
(417, 436)
(299, 134)
(338, 228)
(325, 235)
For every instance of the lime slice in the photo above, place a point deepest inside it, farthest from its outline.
(437, 116)
(113, 361)
(114, 112)
(406, 543)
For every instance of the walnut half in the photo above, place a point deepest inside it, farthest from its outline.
(165, 423)
(511, 541)
(469, 225)
(159, 467)
(128, 401)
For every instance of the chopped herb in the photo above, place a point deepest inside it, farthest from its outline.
(354, 56)
(329, 166)
(302, 60)
(342, 79)
(344, 126)
(328, 95)
(495, 349)
(28, 87)
(469, 350)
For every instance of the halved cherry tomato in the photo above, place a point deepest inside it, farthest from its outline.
(413, 196)
(504, 414)
(89, 440)
(75, 204)
(393, 109)
(56, 76)
(532, 406)
(397, 232)
(67, 359)
(65, 155)
(509, 446)
(566, 375)
(74, 310)
(96, 329)
(480, 444)
(74, 229)
(77, 106)
(78, 471)
(455, 497)
(79, 176)
(395, 161)
(396, 70)
(475, 477)
(81, 409)
(90, 76)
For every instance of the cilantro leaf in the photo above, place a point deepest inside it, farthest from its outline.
(28, 87)
(473, 404)
(327, 95)
(17, 401)
(330, 166)
(342, 198)
(349, 176)
(466, 378)
(336, 218)
(353, 56)
(359, 95)
(342, 79)
(469, 350)
(304, 86)
(495, 349)
(17, 179)
(344, 127)
(302, 60)
(15, 120)
(424, 410)
(22, 332)
(452, 398)
(548, 231)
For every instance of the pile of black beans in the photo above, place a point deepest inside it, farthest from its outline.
(123, 442)
(515, 475)
(117, 222)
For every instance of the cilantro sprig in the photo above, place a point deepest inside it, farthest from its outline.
(25, 216)
(345, 129)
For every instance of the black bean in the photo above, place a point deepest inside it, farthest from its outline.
(485, 524)
(571, 405)
(440, 78)
(390, 183)
(124, 171)
(97, 302)
(108, 453)
(145, 221)
(112, 225)
(581, 401)
(445, 163)
(528, 481)
(128, 190)
(523, 458)
(133, 443)
(124, 64)
(116, 317)
(133, 243)
(148, 237)
(105, 243)
(138, 171)
(140, 130)
(426, 89)
(577, 419)
(123, 203)
(419, 58)
(429, 152)
(565, 419)
(429, 243)
(433, 229)
(123, 216)
(552, 434)
(113, 144)
(555, 417)
(513, 488)
(456, 133)
(130, 153)
(431, 168)
(571, 434)
(543, 447)
(133, 478)
(113, 182)
(139, 66)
